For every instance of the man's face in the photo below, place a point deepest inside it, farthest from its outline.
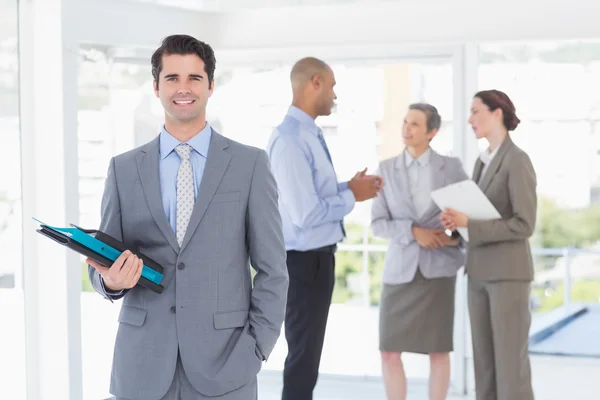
(183, 87)
(325, 94)
(414, 129)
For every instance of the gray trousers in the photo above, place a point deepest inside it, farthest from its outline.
(182, 389)
(500, 322)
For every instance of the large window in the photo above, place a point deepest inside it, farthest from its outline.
(364, 128)
(117, 111)
(554, 88)
(12, 345)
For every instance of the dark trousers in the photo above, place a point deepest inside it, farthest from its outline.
(309, 297)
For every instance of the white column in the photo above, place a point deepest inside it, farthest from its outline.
(466, 74)
(465, 67)
(52, 276)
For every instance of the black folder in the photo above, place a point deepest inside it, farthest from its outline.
(103, 249)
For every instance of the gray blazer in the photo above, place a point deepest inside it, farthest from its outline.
(393, 215)
(210, 312)
(499, 249)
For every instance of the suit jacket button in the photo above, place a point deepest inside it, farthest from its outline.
(173, 309)
(181, 266)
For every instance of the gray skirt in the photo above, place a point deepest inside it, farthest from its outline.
(418, 316)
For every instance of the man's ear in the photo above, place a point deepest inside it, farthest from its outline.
(155, 86)
(316, 81)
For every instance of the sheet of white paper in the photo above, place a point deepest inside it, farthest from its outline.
(467, 198)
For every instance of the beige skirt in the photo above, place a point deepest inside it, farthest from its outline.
(418, 316)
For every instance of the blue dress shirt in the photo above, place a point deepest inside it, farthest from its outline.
(169, 166)
(311, 201)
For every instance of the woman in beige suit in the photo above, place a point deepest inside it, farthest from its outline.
(499, 263)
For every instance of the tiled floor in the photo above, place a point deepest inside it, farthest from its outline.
(348, 352)
(342, 388)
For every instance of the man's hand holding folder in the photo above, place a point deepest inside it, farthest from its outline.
(118, 267)
(124, 273)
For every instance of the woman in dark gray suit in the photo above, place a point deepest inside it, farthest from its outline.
(499, 263)
(417, 300)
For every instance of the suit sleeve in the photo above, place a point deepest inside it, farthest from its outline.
(459, 176)
(110, 224)
(523, 198)
(267, 257)
(382, 223)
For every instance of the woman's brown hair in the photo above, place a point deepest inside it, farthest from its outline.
(495, 99)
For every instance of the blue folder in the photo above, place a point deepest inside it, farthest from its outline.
(103, 249)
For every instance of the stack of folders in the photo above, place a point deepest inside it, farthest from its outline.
(103, 249)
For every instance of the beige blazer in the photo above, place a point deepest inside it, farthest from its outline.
(393, 215)
(499, 249)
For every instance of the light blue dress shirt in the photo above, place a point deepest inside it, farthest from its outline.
(419, 180)
(311, 201)
(169, 166)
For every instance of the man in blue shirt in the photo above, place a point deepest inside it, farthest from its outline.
(312, 204)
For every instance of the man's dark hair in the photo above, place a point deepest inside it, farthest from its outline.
(434, 121)
(183, 45)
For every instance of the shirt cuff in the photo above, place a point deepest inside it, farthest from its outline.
(349, 201)
(342, 186)
(109, 293)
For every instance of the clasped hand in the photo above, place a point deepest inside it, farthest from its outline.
(432, 238)
(365, 187)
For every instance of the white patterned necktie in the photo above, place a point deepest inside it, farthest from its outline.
(185, 191)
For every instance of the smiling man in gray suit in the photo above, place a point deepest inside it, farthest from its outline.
(204, 207)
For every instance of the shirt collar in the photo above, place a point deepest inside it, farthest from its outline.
(486, 157)
(423, 160)
(306, 120)
(199, 142)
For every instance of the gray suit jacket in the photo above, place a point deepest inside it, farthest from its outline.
(499, 249)
(393, 216)
(210, 312)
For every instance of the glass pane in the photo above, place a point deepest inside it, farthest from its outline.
(564, 128)
(376, 261)
(363, 129)
(349, 279)
(117, 111)
(547, 292)
(12, 333)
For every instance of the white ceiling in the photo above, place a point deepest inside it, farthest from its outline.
(238, 5)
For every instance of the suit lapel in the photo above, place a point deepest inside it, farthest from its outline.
(495, 164)
(477, 171)
(216, 163)
(438, 179)
(147, 163)
(402, 176)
